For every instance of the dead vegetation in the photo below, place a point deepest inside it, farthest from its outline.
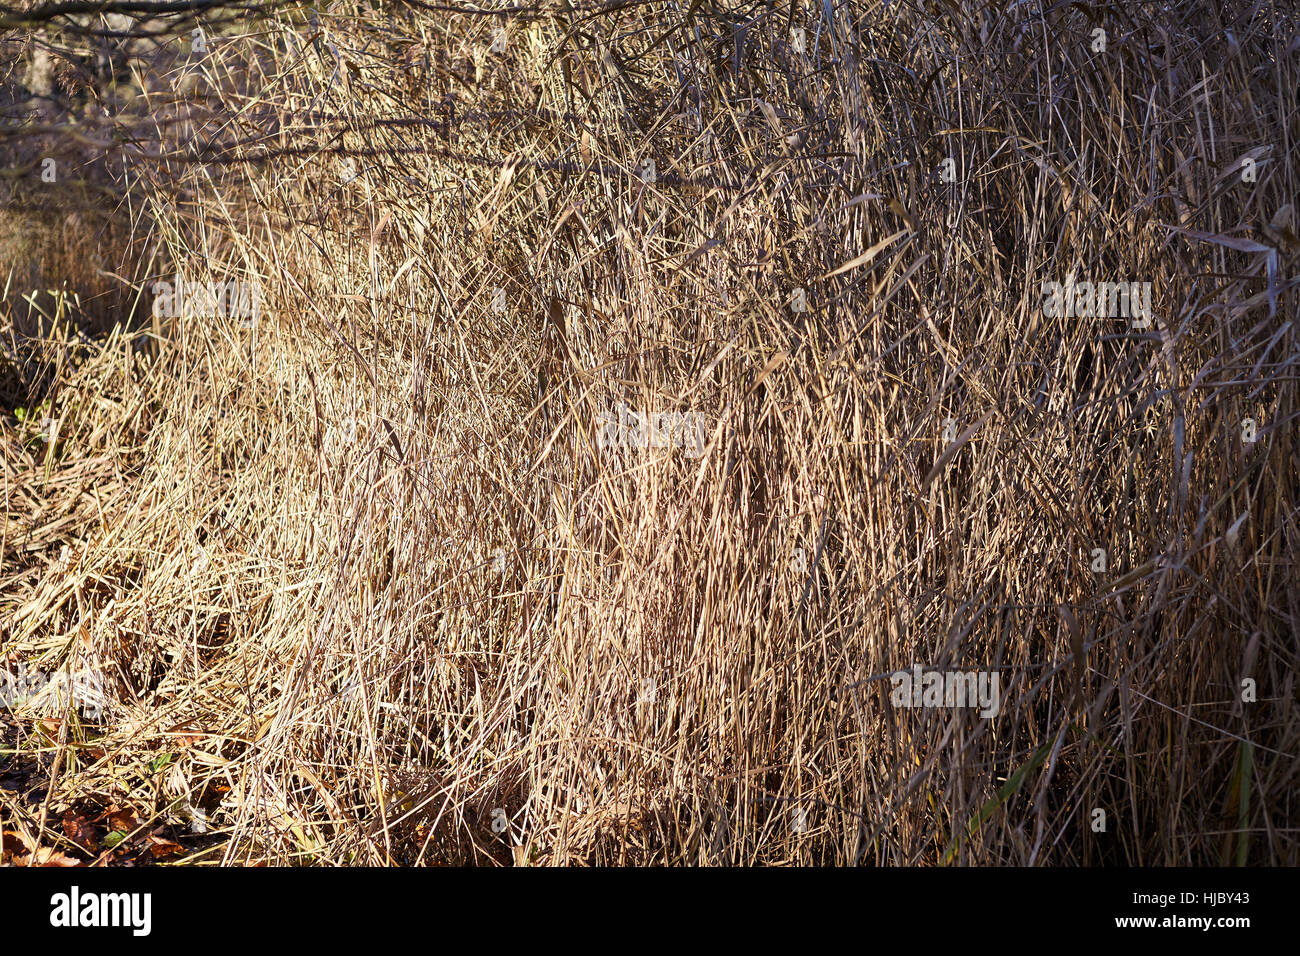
(359, 575)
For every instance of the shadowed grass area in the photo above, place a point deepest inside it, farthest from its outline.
(369, 581)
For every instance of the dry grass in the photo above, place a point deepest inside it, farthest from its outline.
(278, 542)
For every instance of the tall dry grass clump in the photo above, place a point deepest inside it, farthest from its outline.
(371, 584)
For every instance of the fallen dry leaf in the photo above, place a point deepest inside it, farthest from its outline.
(124, 820)
(45, 856)
(14, 834)
(78, 829)
(161, 846)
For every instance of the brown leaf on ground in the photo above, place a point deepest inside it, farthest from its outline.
(187, 736)
(14, 845)
(123, 819)
(46, 856)
(15, 835)
(78, 829)
(161, 846)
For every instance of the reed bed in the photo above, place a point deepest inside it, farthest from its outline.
(370, 582)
